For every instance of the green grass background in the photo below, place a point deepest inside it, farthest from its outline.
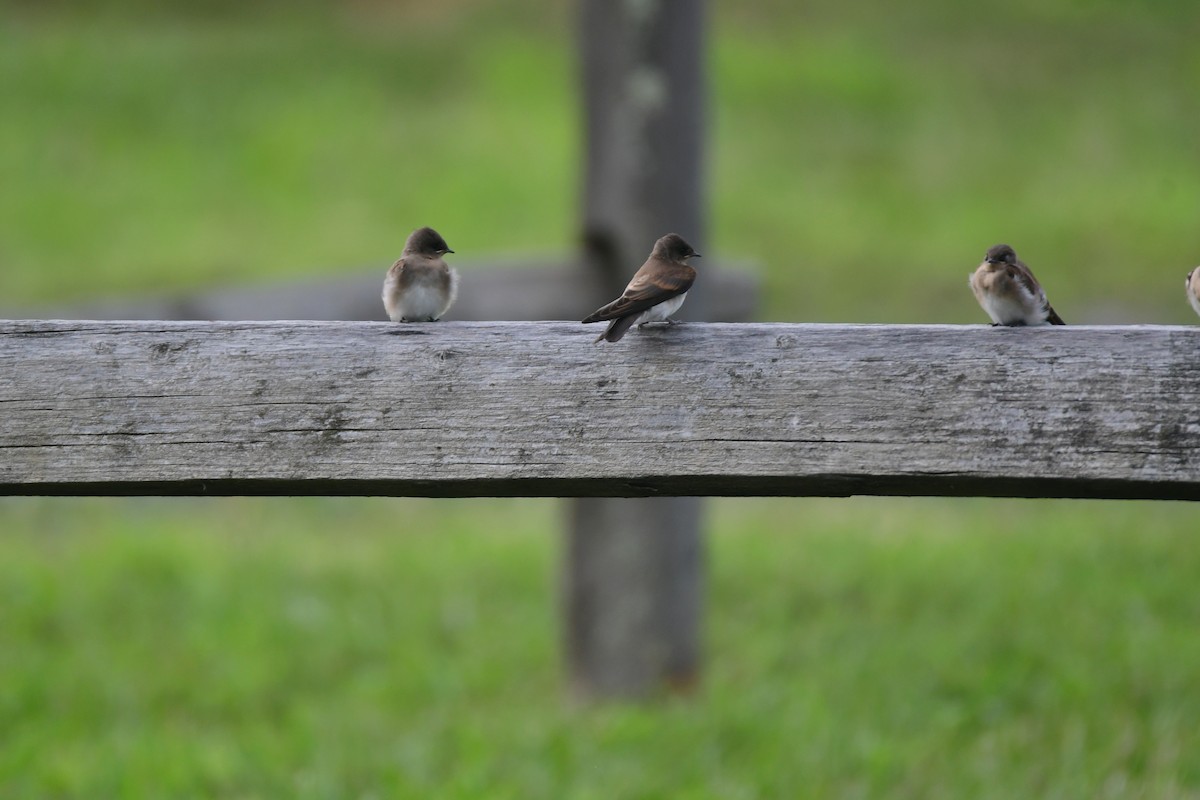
(863, 153)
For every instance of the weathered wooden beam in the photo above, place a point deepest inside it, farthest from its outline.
(467, 409)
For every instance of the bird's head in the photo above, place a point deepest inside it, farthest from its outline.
(426, 242)
(672, 247)
(1000, 254)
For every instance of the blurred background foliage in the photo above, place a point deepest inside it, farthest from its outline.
(862, 153)
(866, 155)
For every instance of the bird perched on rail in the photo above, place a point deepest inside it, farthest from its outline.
(1193, 288)
(656, 291)
(420, 286)
(1009, 293)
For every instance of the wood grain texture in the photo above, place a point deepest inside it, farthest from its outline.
(458, 409)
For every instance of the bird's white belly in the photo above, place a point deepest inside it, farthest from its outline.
(424, 299)
(422, 302)
(663, 310)
(1010, 309)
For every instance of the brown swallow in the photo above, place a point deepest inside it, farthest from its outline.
(656, 291)
(421, 286)
(1009, 293)
(1193, 288)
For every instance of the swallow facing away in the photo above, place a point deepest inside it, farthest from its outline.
(421, 286)
(656, 291)
(1009, 293)
(1193, 288)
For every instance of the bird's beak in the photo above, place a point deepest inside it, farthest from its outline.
(694, 255)
(448, 250)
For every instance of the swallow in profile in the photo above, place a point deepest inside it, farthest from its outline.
(1193, 288)
(1009, 293)
(420, 286)
(656, 291)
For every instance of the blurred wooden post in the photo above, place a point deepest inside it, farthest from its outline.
(634, 568)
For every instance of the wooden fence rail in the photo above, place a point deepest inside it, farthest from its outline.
(535, 409)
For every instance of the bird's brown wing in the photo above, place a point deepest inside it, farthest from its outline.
(397, 269)
(1021, 272)
(655, 282)
(1023, 275)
